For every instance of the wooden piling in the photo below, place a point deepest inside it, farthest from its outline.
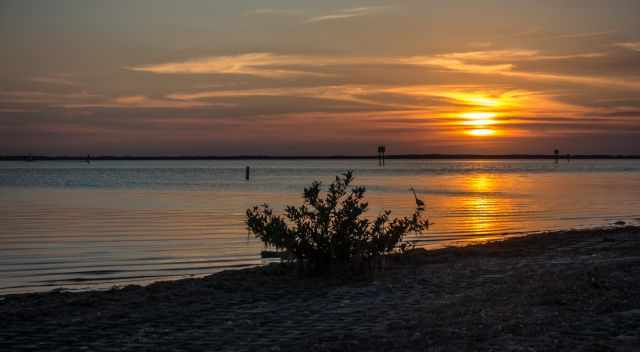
(381, 150)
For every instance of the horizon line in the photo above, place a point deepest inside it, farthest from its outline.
(31, 157)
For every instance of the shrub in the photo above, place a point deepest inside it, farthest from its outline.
(331, 233)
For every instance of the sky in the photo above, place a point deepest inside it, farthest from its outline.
(204, 77)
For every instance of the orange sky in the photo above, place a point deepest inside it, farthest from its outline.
(299, 77)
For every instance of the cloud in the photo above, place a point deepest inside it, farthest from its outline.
(491, 55)
(445, 100)
(453, 64)
(516, 54)
(586, 80)
(635, 46)
(83, 100)
(481, 44)
(337, 15)
(488, 62)
(255, 64)
(348, 13)
(270, 65)
(42, 98)
(141, 101)
(585, 35)
(276, 12)
(504, 63)
(55, 80)
(345, 93)
(534, 31)
(448, 106)
(12, 110)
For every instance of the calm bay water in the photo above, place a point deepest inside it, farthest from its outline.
(79, 226)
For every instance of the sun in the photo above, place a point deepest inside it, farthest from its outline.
(478, 115)
(481, 121)
(481, 132)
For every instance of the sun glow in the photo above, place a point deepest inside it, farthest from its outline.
(488, 114)
(479, 123)
(480, 120)
(475, 99)
(481, 132)
(478, 115)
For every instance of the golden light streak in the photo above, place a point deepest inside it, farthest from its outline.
(481, 132)
(480, 120)
(479, 123)
(474, 99)
(482, 207)
(478, 115)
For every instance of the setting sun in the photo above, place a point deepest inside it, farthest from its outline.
(479, 123)
(478, 115)
(481, 132)
(480, 120)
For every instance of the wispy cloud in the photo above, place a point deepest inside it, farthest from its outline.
(348, 13)
(516, 54)
(336, 15)
(276, 12)
(533, 31)
(270, 65)
(13, 110)
(449, 98)
(453, 64)
(635, 46)
(504, 63)
(586, 80)
(141, 101)
(345, 93)
(491, 62)
(255, 64)
(481, 44)
(491, 55)
(57, 80)
(586, 34)
(85, 100)
(43, 98)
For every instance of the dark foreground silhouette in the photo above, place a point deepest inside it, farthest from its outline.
(575, 290)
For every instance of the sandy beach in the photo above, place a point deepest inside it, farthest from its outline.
(565, 290)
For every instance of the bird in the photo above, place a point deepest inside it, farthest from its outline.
(419, 202)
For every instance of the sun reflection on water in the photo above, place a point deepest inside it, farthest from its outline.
(481, 183)
(481, 207)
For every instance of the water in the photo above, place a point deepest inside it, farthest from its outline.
(79, 226)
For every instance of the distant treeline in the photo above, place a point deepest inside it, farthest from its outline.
(328, 157)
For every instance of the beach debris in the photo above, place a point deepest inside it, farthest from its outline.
(619, 223)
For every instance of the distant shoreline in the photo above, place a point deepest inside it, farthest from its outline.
(325, 157)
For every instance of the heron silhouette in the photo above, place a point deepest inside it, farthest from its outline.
(419, 202)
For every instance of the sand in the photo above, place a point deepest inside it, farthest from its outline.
(571, 290)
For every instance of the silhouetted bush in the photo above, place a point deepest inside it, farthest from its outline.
(331, 233)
